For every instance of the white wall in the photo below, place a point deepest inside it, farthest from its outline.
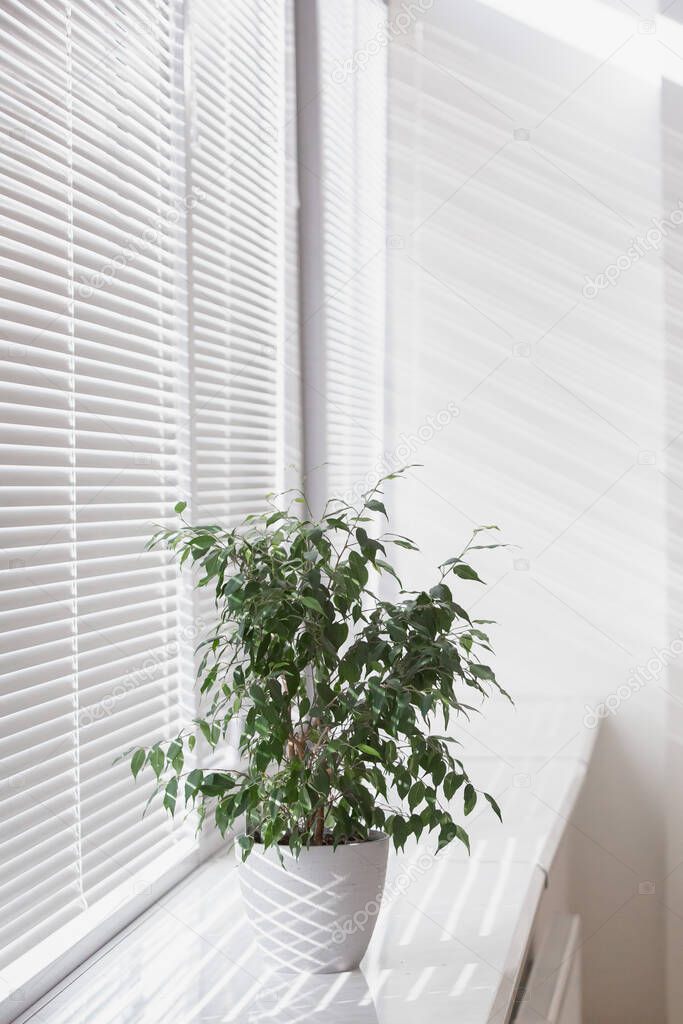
(520, 163)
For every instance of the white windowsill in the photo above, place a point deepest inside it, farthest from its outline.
(449, 946)
(36, 972)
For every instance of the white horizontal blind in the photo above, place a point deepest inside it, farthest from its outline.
(88, 442)
(353, 55)
(40, 886)
(237, 166)
(236, 254)
(125, 418)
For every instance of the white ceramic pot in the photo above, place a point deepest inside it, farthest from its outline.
(315, 914)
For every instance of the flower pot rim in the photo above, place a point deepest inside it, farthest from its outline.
(376, 836)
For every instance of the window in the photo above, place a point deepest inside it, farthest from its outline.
(342, 171)
(151, 350)
(236, 160)
(353, 237)
(90, 449)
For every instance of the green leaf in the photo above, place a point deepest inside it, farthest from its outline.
(209, 733)
(180, 507)
(462, 835)
(416, 795)
(381, 564)
(450, 831)
(175, 747)
(367, 749)
(483, 672)
(137, 761)
(487, 547)
(461, 613)
(311, 602)
(246, 843)
(209, 679)
(232, 585)
(157, 760)
(465, 572)
(399, 833)
(376, 506)
(470, 798)
(451, 784)
(202, 543)
(170, 795)
(224, 815)
(192, 783)
(494, 806)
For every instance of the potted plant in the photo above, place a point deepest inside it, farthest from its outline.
(336, 692)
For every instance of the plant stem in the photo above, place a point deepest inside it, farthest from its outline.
(319, 826)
